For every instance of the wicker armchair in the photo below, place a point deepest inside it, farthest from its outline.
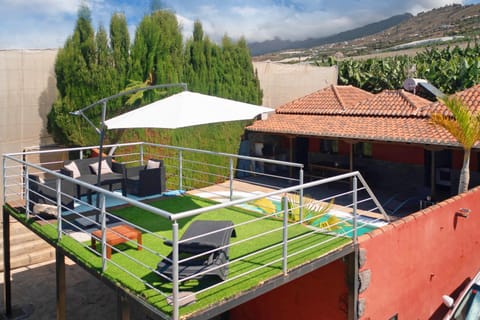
(146, 180)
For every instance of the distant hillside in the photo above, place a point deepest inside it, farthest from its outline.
(459, 23)
(452, 20)
(258, 48)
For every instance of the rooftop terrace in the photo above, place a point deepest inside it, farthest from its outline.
(283, 227)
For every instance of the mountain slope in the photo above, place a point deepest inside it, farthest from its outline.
(460, 23)
(258, 48)
(452, 20)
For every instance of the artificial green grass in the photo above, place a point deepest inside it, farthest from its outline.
(162, 229)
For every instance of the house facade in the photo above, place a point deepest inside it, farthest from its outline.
(388, 137)
(406, 266)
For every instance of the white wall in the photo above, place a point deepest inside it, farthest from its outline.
(27, 91)
(282, 83)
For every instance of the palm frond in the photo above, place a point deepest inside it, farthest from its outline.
(136, 84)
(464, 126)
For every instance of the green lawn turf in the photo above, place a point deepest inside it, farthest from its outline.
(162, 227)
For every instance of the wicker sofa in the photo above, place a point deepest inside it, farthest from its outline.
(112, 174)
(45, 192)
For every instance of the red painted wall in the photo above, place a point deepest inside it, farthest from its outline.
(343, 147)
(314, 145)
(398, 153)
(321, 294)
(417, 259)
(413, 262)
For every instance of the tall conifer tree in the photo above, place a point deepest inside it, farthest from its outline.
(120, 44)
(90, 67)
(157, 49)
(74, 67)
(196, 70)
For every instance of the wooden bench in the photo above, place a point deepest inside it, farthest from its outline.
(117, 235)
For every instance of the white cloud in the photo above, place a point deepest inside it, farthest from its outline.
(49, 7)
(258, 24)
(297, 20)
(46, 26)
(186, 25)
(37, 36)
(47, 23)
(246, 11)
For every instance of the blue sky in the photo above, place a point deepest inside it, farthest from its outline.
(39, 24)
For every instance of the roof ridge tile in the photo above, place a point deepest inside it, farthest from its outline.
(407, 98)
(338, 96)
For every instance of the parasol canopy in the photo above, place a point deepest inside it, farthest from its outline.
(186, 109)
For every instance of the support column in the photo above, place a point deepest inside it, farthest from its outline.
(433, 191)
(351, 157)
(123, 306)
(61, 288)
(7, 287)
(290, 142)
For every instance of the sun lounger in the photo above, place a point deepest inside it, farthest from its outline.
(208, 240)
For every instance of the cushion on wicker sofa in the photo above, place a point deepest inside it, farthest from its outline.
(113, 178)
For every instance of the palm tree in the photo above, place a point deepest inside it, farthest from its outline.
(465, 127)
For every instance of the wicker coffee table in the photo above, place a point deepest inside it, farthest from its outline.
(117, 235)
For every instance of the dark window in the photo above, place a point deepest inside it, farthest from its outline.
(363, 149)
(329, 146)
(367, 149)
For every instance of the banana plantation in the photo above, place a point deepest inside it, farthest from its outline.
(449, 69)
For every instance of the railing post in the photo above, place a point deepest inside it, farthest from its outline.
(374, 198)
(27, 193)
(175, 277)
(103, 220)
(356, 252)
(142, 160)
(231, 178)
(285, 235)
(59, 208)
(355, 199)
(180, 170)
(301, 195)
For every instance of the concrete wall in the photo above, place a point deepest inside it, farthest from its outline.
(282, 83)
(27, 91)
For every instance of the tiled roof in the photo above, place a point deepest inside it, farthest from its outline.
(391, 116)
(389, 129)
(330, 100)
(470, 96)
(391, 103)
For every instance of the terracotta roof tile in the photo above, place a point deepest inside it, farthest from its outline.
(389, 129)
(330, 100)
(351, 113)
(470, 96)
(397, 103)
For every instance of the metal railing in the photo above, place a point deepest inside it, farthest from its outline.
(296, 214)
